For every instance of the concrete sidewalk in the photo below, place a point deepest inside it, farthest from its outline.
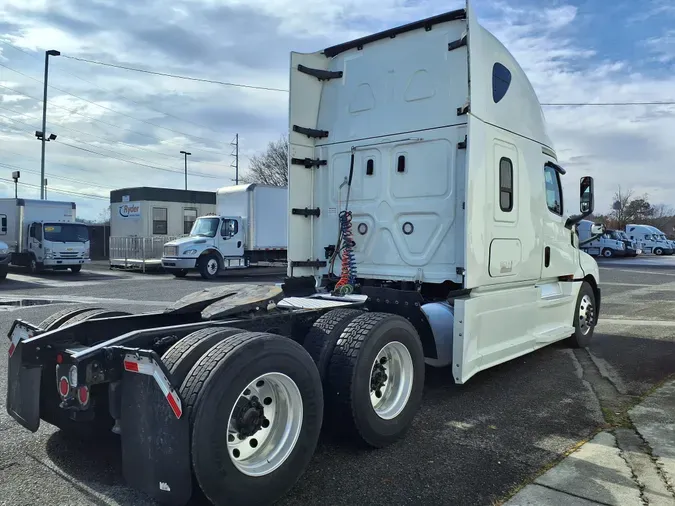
(622, 467)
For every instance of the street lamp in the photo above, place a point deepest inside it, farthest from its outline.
(186, 155)
(15, 176)
(51, 52)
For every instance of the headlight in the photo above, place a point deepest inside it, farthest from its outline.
(190, 252)
(4, 251)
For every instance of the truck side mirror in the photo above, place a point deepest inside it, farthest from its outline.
(586, 201)
(597, 229)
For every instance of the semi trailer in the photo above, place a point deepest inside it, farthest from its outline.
(425, 226)
(251, 226)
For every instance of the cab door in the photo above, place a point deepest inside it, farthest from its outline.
(35, 240)
(231, 237)
(560, 257)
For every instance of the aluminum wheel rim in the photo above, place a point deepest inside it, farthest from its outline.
(268, 448)
(212, 266)
(586, 314)
(389, 395)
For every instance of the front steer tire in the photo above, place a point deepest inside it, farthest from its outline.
(585, 317)
(209, 266)
(218, 381)
(350, 374)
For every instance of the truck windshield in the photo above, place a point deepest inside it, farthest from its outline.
(65, 232)
(205, 227)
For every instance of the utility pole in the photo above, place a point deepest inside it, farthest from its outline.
(186, 155)
(45, 188)
(235, 164)
(51, 52)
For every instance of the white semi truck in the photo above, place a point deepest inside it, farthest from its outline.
(425, 225)
(596, 245)
(652, 238)
(251, 225)
(4, 260)
(43, 234)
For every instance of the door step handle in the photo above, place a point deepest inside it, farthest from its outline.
(547, 256)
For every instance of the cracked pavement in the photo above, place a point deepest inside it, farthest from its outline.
(471, 444)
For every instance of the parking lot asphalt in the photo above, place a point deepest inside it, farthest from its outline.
(469, 444)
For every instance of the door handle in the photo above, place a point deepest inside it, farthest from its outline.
(238, 244)
(547, 256)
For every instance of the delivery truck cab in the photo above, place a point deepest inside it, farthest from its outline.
(653, 239)
(43, 234)
(250, 226)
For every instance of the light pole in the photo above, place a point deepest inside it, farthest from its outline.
(45, 188)
(15, 176)
(186, 155)
(51, 52)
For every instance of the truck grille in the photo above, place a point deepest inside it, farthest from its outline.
(68, 254)
(170, 251)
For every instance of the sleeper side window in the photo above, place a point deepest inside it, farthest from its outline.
(505, 185)
(554, 196)
(3, 224)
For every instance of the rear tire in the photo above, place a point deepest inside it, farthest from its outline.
(291, 402)
(321, 338)
(183, 355)
(584, 317)
(209, 266)
(356, 365)
(60, 317)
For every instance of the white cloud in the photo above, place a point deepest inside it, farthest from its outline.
(248, 41)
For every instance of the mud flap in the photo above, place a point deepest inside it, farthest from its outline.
(155, 443)
(23, 391)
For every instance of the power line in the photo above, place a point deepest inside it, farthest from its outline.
(104, 107)
(58, 190)
(176, 76)
(31, 171)
(166, 169)
(58, 69)
(113, 140)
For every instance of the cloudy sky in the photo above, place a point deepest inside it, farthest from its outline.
(120, 129)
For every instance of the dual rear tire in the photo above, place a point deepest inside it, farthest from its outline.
(372, 370)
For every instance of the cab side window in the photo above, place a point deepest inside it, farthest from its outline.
(230, 228)
(554, 196)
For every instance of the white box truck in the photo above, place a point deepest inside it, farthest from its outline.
(250, 226)
(43, 234)
(653, 239)
(425, 224)
(596, 245)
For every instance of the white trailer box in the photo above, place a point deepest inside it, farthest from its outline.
(263, 209)
(251, 226)
(43, 234)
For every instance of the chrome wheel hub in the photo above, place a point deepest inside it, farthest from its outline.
(391, 380)
(264, 424)
(586, 315)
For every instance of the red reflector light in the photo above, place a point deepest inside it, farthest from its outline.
(59, 358)
(131, 366)
(64, 386)
(83, 395)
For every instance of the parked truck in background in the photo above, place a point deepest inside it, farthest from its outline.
(633, 248)
(653, 239)
(4, 260)
(425, 226)
(43, 234)
(605, 244)
(250, 226)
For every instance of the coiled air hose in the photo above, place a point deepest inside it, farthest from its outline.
(345, 247)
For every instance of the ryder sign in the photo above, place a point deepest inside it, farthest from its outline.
(129, 210)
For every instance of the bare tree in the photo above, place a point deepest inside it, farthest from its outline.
(271, 166)
(622, 201)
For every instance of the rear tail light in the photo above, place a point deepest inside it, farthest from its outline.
(64, 387)
(83, 396)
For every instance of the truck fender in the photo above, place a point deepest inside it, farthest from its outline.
(214, 251)
(441, 318)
